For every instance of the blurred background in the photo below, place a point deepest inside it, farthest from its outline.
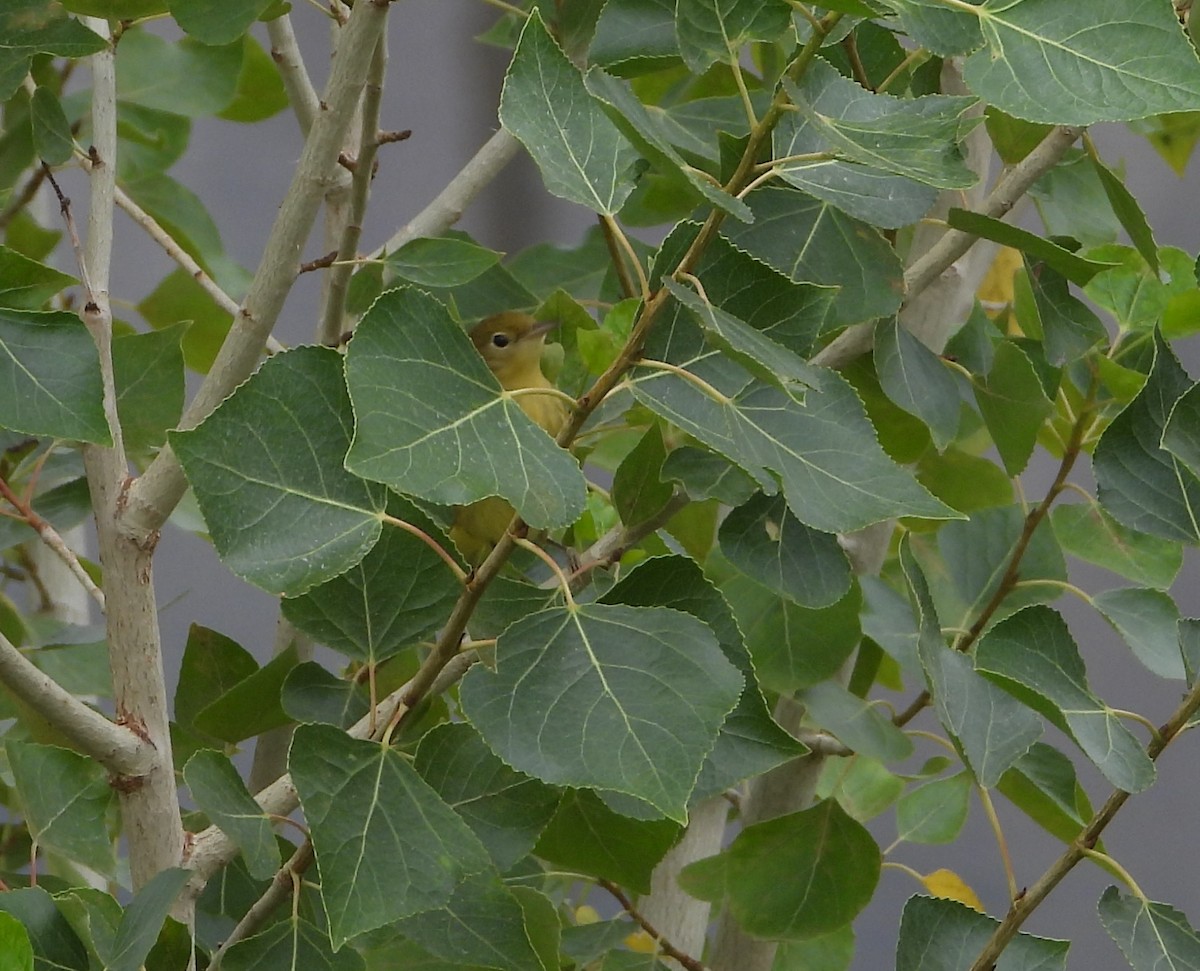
(444, 86)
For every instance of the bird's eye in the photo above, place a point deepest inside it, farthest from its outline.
(500, 340)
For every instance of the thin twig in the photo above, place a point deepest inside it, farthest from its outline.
(285, 52)
(429, 541)
(615, 256)
(670, 950)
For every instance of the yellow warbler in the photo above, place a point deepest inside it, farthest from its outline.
(511, 344)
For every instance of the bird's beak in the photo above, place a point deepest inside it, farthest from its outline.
(540, 329)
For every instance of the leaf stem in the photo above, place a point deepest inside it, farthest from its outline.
(613, 228)
(687, 375)
(1060, 584)
(1138, 717)
(546, 558)
(1110, 864)
(614, 255)
(429, 541)
(989, 810)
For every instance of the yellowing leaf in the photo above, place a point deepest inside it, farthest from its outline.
(586, 914)
(995, 293)
(948, 884)
(642, 943)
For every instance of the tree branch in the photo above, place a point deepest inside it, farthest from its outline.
(151, 499)
(115, 747)
(285, 52)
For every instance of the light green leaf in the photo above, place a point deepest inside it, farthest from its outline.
(51, 375)
(221, 794)
(1077, 64)
(143, 919)
(1148, 622)
(180, 299)
(440, 262)
(829, 952)
(546, 106)
(432, 421)
(750, 741)
(216, 21)
(149, 377)
(260, 92)
(66, 799)
(182, 213)
(53, 940)
(52, 139)
(946, 31)
(1033, 656)
(912, 137)
(148, 140)
(638, 490)
(644, 126)
(1042, 784)
(1140, 300)
(714, 30)
(578, 698)
(1014, 405)
(937, 934)
(1079, 270)
(187, 77)
(862, 786)
(793, 877)
(1070, 328)
(288, 945)
(1130, 214)
(33, 26)
(1085, 530)
(915, 379)
(26, 284)
(16, 953)
(860, 726)
(761, 356)
(506, 809)
(376, 824)
(400, 592)
(1150, 935)
(992, 729)
(266, 470)
(585, 836)
(936, 811)
(964, 481)
(1140, 483)
(812, 242)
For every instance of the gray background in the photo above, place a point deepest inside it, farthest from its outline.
(444, 86)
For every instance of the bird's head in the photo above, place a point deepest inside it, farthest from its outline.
(511, 344)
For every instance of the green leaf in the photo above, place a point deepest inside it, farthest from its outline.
(792, 877)
(1147, 620)
(1033, 656)
(26, 284)
(761, 356)
(794, 646)
(914, 378)
(1070, 327)
(31, 27)
(765, 541)
(875, 195)
(937, 934)
(1014, 405)
(187, 77)
(911, 137)
(440, 262)
(260, 92)
(585, 836)
(143, 919)
(183, 214)
(290, 944)
(714, 30)
(1042, 784)
(66, 799)
(834, 473)
(963, 481)
(482, 925)
(251, 706)
(148, 140)
(270, 458)
(812, 242)
(1151, 935)
(51, 131)
(859, 725)
(1127, 210)
(1139, 300)
(1075, 268)
(545, 105)
(216, 21)
(706, 475)
(936, 811)
(1141, 484)
(750, 741)
(180, 299)
(1180, 437)
(54, 942)
(992, 729)
(945, 31)
(635, 36)
(638, 491)
(506, 809)
(1077, 64)
(212, 665)
(1085, 530)
(220, 793)
(578, 699)
(149, 375)
(432, 421)
(862, 786)
(95, 916)
(53, 377)
(312, 694)
(829, 952)
(400, 592)
(644, 126)
(16, 953)
(375, 823)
